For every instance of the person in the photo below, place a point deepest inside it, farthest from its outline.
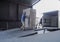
(23, 21)
(40, 23)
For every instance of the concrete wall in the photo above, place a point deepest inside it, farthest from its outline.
(59, 19)
(10, 14)
(33, 18)
(30, 21)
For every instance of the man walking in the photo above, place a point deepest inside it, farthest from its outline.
(23, 21)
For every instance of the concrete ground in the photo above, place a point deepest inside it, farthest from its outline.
(14, 35)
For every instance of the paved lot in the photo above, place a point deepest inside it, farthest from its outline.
(48, 37)
(14, 33)
(14, 36)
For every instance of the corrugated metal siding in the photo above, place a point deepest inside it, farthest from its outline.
(10, 14)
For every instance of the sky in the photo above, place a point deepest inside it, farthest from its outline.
(46, 6)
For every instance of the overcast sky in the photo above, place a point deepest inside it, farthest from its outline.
(45, 6)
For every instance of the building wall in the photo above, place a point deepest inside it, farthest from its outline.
(59, 19)
(30, 19)
(50, 19)
(10, 15)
